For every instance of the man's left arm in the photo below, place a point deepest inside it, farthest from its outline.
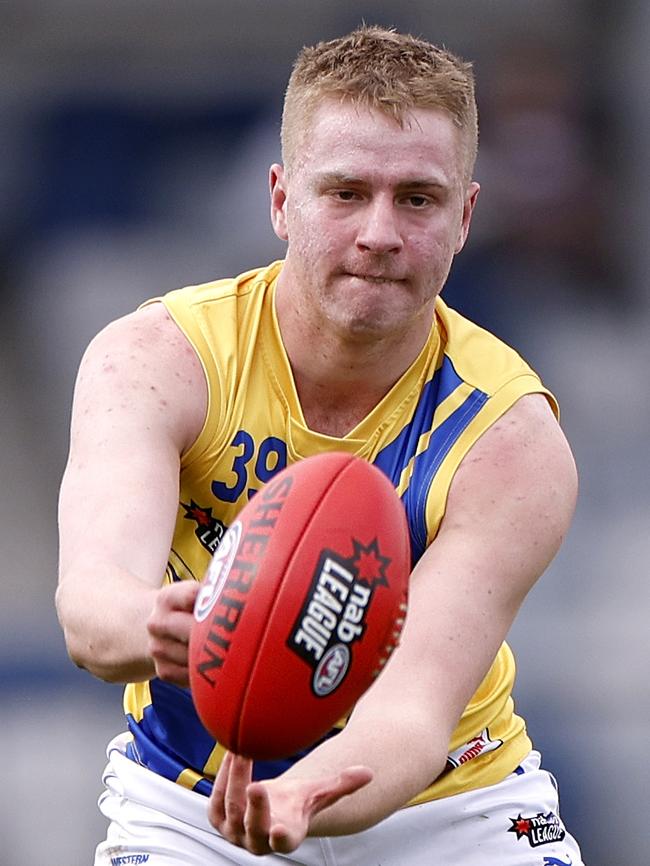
(508, 510)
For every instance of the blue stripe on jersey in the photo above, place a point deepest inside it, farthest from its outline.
(171, 738)
(145, 751)
(168, 722)
(394, 457)
(397, 455)
(428, 463)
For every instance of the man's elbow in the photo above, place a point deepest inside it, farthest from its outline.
(79, 645)
(65, 616)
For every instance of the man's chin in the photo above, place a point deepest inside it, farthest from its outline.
(368, 325)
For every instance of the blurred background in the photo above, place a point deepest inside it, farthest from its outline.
(135, 140)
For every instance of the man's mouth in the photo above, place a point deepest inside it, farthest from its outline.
(375, 278)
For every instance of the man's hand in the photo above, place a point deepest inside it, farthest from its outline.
(169, 628)
(275, 815)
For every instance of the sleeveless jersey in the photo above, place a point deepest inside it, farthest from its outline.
(462, 381)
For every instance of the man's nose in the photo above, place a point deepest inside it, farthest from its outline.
(379, 230)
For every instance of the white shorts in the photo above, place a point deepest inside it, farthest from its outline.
(513, 823)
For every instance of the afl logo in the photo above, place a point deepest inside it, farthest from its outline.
(217, 572)
(331, 670)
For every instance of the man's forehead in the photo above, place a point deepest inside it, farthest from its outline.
(330, 112)
(351, 141)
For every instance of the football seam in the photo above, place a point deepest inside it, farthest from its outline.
(272, 610)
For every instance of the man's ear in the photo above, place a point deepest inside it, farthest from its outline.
(277, 188)
(468, 209)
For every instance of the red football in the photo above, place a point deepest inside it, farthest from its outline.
(301, 606)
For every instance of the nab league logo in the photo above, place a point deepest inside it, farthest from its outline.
(333, 615)
(209, 530)
(539, 830)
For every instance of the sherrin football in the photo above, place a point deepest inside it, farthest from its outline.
(300, 607)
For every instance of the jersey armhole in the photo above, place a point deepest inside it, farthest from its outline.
(496, 406)
(192, 330)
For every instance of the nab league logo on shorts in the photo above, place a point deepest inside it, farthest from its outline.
(541, 829)
(333, 615)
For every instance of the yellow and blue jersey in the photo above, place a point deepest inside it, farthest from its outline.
(462, 381)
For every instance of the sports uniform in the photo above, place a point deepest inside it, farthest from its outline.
(462, 381)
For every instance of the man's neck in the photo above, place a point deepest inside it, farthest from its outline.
(336, 409)
(340, 381)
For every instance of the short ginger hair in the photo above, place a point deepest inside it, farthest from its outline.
(380, 69)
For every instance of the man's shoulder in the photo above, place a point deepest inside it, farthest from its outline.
(219, 290)
(479, 357)
(143, 346)
(142, 365)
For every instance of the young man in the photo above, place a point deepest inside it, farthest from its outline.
(186, 407)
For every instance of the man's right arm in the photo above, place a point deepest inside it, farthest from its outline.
(140, 401)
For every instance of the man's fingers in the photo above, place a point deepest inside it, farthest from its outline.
(353, 778)
(177, 675)
(258, 813)
(257, 822)
(168, 648)
(273, 816)
(171, 607)
(228, 803)
(239, 777)
(180, 595)
(329, 791)
(169, 626)
(216, 803)
(173, 625)
(281, 840)
(170, 657)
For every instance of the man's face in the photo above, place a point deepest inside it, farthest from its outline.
(373, 215)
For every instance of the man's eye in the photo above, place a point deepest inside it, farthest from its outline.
(418, 201)
(345, 194)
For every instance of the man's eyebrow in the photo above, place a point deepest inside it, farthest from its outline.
(342, 178)
(337, 177)
(423, 183)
